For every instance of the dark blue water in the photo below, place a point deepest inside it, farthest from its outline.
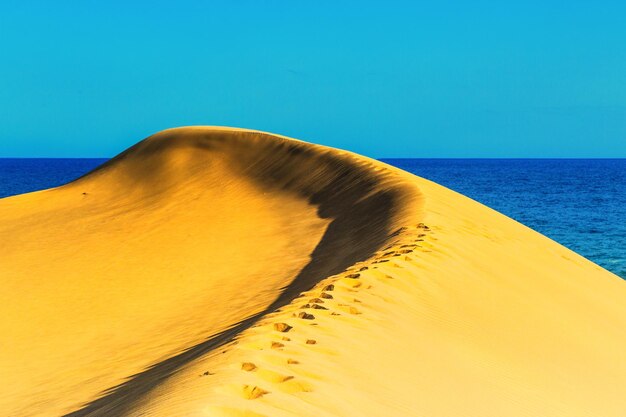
(579, 203)
(18, 176)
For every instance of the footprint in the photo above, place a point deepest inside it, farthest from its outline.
(295, 385)
(306, 316)
(273, 377)
(277, 345)
(248, 366)
(310, 342)
(282, 327)
(326, 295)
(350, 309)
(252, 392)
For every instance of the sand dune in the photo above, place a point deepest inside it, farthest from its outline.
(224, 272)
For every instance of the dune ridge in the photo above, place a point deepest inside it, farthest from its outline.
(190, 198)
(227, 272)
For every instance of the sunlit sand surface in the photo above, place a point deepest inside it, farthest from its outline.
(224, 272)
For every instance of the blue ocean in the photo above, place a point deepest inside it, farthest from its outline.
(580, 203)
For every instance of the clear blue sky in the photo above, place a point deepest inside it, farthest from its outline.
(387, 79)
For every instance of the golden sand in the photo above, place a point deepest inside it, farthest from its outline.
(225, 272)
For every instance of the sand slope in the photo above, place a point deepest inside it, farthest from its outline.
(215, 271)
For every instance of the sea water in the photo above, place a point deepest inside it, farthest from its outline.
(580, 203)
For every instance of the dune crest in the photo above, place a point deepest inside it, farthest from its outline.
(215, 271)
